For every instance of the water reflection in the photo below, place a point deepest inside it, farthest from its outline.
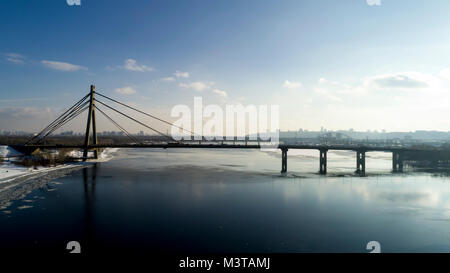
(89, 196)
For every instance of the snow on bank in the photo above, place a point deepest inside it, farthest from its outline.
(6, 151)
(105, 155)
(10, 171)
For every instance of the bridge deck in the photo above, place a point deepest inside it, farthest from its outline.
(234, 146)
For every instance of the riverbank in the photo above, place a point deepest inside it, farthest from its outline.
(10, 170)
(17, 181)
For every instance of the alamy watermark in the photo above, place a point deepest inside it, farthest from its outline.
(374, 247)
(74, 247)
(373, 2)
(235, 122)
(73, 2)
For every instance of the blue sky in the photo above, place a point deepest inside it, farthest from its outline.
(336, 64)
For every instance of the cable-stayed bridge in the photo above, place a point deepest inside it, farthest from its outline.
(95, 102)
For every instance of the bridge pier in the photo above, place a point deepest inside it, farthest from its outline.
(284, 160)
(361, 162)
(397, 161)
(323, 161)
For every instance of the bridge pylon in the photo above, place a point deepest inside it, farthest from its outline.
(91, 120)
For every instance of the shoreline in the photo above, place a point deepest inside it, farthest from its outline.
(18, 187)
(10, 172)
(20, 181)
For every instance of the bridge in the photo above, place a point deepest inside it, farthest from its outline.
(91, 103)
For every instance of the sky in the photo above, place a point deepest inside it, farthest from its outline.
(361, 64)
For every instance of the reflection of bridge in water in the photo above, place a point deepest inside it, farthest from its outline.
(89, 101)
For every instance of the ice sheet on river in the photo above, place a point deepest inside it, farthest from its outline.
(17, 181)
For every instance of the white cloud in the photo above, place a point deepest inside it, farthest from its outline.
(15, 58)
(62, 66)
(220, 92)
(25, 112)
(202, 86)
(336, 87)
(403, 80)
(132, 65)
(127, 90)
(292, 85)
(198, 86)
(180, 74)
(177, 74)
(401, 85)
(333, 90)
(445, 73)
(168, 79)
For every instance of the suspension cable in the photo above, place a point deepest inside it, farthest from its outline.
(135, 120)
(69, 118)
(144, 113)
(118, 126)
(66, 118)
(62, 124)
(65, 114)
(62, 116)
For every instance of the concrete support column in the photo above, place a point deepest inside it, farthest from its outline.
(284, 160)
(323, 161)
(397, 161)
(400, 162)
(361, 162)
(394, 161)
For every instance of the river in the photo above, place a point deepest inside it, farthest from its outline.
(197, 200)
